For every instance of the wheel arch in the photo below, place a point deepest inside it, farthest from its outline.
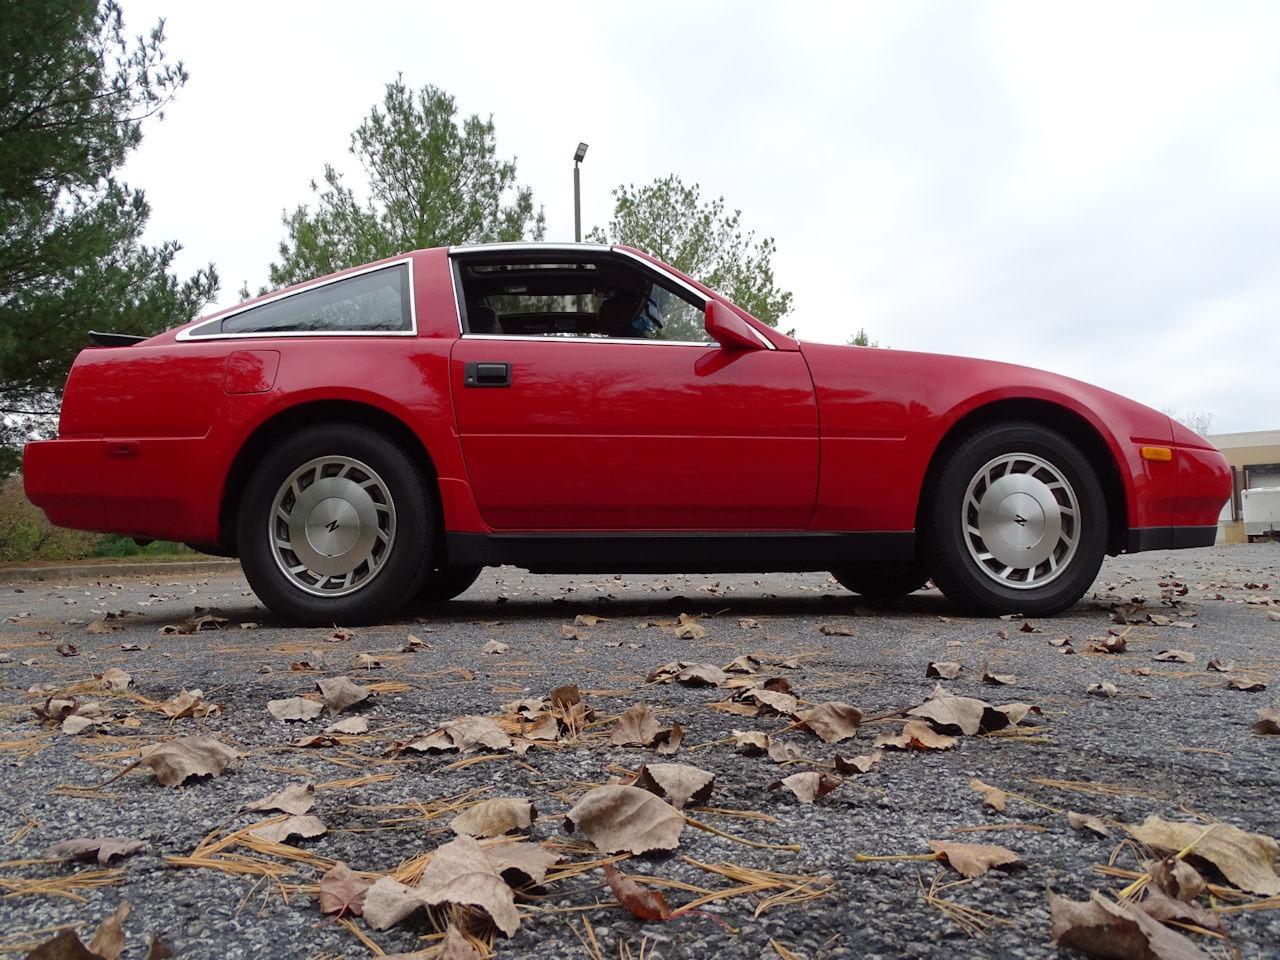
(1073, 425)
(309, 413)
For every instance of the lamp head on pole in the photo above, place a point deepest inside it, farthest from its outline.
(580, 153)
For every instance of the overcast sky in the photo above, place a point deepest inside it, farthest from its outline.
(1089, 188)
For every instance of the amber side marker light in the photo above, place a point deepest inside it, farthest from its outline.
(1157, 453)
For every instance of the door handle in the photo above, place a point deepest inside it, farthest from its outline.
(478, 373)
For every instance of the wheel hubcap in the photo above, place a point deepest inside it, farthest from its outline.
(332, 526)
(1021, 520)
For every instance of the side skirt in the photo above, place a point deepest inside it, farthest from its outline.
(711, 552)
(1170, 538)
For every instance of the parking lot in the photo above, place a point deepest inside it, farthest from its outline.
(1163, 733)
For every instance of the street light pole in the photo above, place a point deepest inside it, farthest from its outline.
(578, 156)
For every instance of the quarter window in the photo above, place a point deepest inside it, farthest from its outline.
(373, 302)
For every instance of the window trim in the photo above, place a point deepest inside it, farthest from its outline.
(193, 332)
(456, 255)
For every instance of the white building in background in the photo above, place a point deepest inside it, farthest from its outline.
(1255, 466)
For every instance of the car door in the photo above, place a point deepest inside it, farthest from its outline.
(567, 433)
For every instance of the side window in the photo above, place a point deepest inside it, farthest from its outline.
(600, 297)
(373, 302)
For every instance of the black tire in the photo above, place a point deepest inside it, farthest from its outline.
(445, 583)
(948, 533)
(881, 583)
(407, 559)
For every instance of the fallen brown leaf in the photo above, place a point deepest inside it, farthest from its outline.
(296, 798)
(859, 764)
(494, 817)
(175, 761)
(1160, 906)
(460, 872)
(951, 714)
(701, 675)
(304, 826)
(341, 891)
(1175, 656)
(1247, 684)
(115, 680)
(782, 752)
(833, 630)
(189, 703)
(1086, 821)
(943, 669)
(617, 818)
(807, 786)
(641, 901)
(388, 901)
(522, 862)
(295, 708)
(916, 735)
(1177, 878)
(974, 859)
(1268, 722)
(108, 939)
(668, 741)
(1117, 931)
(340, 693)
(783, 703)
(351, 726)
(992, 797)
(1108, 644)
(101, 849)
(1247, 860)
(636, 727)
(679, 783)
(750, 742)
(832, 721)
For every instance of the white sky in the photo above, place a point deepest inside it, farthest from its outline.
(1092, 188)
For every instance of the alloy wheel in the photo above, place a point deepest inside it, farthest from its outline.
(332, 526)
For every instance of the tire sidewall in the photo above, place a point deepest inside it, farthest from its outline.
(955, 570)
(402, 573)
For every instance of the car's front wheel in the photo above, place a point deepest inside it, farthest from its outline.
(1016, 521)
(335, 527)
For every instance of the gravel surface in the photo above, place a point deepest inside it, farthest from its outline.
(1174, 741)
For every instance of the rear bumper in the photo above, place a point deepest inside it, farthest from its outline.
(64, 479)
(1170, 538)
(155, 487)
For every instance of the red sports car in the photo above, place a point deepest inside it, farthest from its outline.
(384, 433)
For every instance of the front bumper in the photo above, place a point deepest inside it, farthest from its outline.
(1170, 538)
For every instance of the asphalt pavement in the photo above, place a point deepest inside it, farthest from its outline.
(1175, 740)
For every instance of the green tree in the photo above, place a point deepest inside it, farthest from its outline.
(862, 339)
(74, 93)
(700, 238)
(432, 180)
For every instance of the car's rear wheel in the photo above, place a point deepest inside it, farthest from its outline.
(445, 583)
(877, 583)
(1016, 521)
(335, 527)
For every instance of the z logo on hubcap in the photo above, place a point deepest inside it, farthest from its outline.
(332, 525)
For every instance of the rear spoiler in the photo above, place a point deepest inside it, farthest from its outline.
(114, 339)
